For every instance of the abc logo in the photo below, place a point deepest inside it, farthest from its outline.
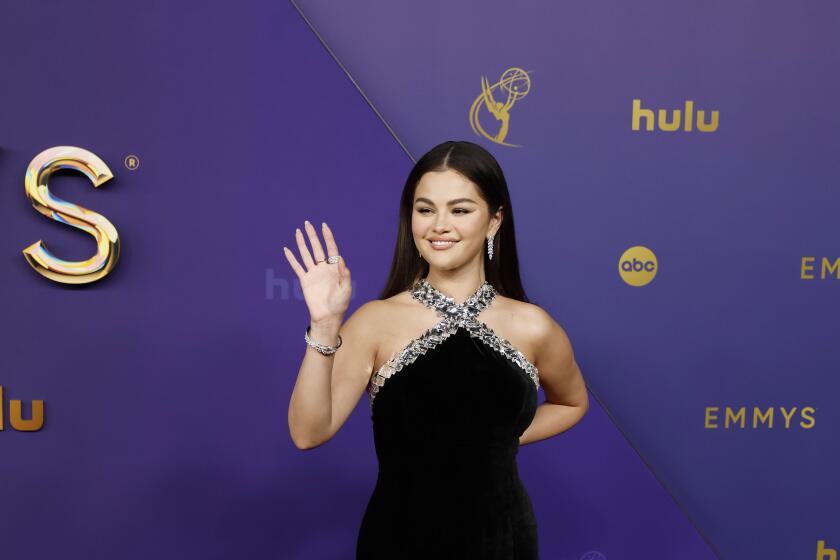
(637, 266)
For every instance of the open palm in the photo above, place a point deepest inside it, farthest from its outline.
(326, 287)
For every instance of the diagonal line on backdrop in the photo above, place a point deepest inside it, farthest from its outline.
(612, 418)
(361, 91)
(655, 474)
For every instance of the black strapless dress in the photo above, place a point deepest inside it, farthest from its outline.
(447, 413)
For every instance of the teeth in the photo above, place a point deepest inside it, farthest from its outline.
(442, 243)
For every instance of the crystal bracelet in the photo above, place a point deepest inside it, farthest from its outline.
(322, 348)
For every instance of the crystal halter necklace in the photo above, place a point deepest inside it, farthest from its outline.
(453, 316)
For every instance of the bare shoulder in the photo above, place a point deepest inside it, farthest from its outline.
(528, 317)
(545, 326)
(544, 335)
(366, 317)
(398, 320)
(374, 319)
(360, 334)
(398, 305)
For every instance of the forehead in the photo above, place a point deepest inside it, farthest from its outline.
(441, 186)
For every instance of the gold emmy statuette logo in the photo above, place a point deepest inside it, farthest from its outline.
(637, 266)
(37, 181)
(512, 86)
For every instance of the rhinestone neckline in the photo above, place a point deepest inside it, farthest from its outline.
(454, 316)
(447, 307)
(485, 286)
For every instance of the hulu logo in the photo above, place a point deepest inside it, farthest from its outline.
(824, 553)
(16, 419)
(678, 120)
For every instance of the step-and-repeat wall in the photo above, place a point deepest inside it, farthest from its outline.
(675, 178)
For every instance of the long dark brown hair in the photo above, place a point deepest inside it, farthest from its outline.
(479, 166)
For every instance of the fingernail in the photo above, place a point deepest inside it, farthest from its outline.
(307, 222)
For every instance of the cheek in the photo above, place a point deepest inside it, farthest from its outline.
(417, 227)
(421, 223)
(474, 227)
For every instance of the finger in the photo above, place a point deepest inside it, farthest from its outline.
(317, 249)
(329, 239)
(332, 250)
(290, 256)
(304, 250)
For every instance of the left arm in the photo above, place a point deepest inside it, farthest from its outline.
(561, 380)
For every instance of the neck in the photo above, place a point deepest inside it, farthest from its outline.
(457, 286)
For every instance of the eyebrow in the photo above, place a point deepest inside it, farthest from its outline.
(454, 201)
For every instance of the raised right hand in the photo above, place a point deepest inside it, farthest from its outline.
(326, 287)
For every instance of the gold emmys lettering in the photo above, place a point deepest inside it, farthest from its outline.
(827, 268)
(740, 417)
(513, 85)
(37, 186)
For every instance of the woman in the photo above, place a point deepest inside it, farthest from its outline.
(451, 358)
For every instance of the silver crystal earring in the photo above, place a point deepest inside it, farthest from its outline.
(490, 246)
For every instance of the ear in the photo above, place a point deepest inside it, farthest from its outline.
(496, 221)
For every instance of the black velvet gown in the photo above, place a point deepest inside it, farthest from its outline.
(447, 413)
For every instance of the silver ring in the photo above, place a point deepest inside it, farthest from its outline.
(334, 259)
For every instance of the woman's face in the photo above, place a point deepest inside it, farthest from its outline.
(447, 205)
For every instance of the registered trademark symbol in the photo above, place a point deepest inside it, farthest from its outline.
(132, 162)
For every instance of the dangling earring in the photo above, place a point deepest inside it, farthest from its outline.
(490, 246)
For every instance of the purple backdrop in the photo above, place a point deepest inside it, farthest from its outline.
(729, 320)
(166, 384)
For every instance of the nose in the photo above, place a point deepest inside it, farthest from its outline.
(441, 222)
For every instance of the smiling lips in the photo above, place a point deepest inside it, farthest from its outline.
(442, 245)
